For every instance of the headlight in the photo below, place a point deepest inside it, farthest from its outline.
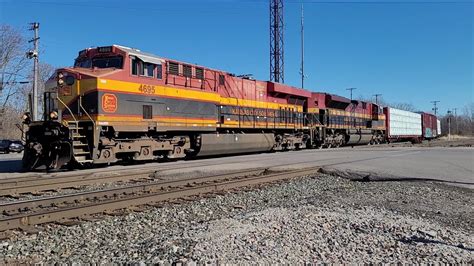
(26, 118)
(60, 79)
(53, 115)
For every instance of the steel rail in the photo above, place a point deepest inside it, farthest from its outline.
(29, 184)
(54, 183)
(17, 206)
(142, 167)
(147, 197)
(152, 165)
(8, 186)
(32, 184)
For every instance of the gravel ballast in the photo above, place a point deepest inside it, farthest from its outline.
(311, 219)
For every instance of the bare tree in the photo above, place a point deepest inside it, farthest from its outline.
(460, 125)
(382, 102)
(13, 63)
(468, 111)
(404, 106)
(21, 99)
(15, 69)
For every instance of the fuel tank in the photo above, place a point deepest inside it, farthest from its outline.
(362, 136)
(218, 144)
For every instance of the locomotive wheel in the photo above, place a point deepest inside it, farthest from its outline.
(341, 142)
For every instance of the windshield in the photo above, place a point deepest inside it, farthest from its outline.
(100, 62)
(106, 62)
(85, 63)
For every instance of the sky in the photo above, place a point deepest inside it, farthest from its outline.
(409, 51)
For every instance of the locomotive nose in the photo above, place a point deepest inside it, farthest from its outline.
(63, 82)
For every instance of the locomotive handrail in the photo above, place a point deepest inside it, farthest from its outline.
(82, 107)
(67, 107)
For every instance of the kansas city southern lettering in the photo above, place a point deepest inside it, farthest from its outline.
(109, 103)
(252, 112)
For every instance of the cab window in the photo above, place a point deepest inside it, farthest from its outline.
(107, 62)
(148, 69)
(84, 63)
(135, 66)
(140, 68)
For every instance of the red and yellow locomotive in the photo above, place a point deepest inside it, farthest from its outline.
(118, 103)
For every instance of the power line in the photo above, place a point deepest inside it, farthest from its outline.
(364, 2)
(2, 84)
(136, 7)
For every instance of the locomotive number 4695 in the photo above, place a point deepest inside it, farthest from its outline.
(147, 89)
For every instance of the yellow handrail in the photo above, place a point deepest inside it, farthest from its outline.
(80, 104)
(67, 107)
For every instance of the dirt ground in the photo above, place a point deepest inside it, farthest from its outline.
(454, 141)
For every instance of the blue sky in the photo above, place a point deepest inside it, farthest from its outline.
(409, 51)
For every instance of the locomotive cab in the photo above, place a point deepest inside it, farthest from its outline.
(67, 134)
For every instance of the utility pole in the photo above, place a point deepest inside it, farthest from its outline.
(351, 89)
(377, 98)
(276, 41)
(435, 108)
(302, 46)
(34, 55)
(352, 105)
(456, 119)
(449, 125)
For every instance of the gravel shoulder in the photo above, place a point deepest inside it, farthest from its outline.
(324, 218)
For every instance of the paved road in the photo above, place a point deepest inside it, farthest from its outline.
(451, 165)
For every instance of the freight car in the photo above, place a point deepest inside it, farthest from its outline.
(429, 125)
(117, 104)
(403, 125)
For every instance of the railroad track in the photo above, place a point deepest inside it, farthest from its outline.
(33, 184)
(53, 182)
(37, 183)
(27, 213)
(17, 186)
